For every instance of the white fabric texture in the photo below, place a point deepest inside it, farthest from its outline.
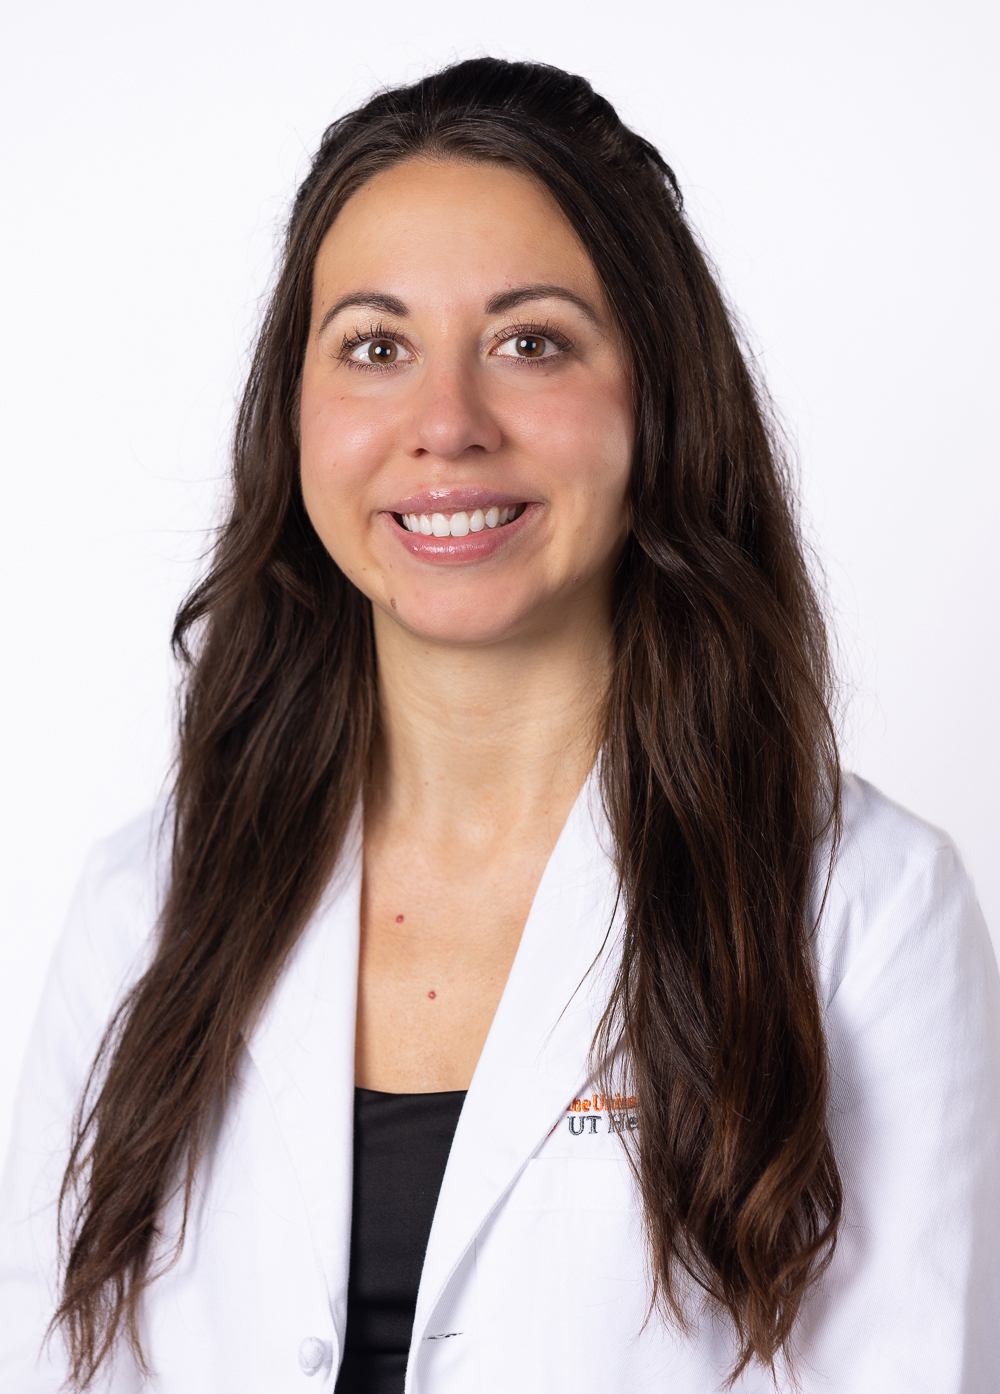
(535, 1276)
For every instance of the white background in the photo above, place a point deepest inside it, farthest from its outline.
(841, 166)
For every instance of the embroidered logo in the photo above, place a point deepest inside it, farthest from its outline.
(617, 1111)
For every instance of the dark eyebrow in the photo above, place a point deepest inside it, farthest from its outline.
(366, 300)
(521, 295)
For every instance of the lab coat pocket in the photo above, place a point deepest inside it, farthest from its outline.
(574, 1183)
(560, 1269)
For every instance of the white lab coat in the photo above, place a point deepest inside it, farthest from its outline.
(534, 1279)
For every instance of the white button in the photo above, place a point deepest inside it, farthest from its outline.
(315, 1355)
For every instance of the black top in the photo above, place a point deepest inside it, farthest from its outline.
(401, 1146)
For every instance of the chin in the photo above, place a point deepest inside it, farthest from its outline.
(468, 624)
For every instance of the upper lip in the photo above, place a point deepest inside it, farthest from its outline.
(457, 500)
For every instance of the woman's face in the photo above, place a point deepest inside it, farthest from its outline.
(466, 424)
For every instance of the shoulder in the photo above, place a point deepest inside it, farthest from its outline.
(885, 850)
(105, 946)
(112, 919)
(133, 861)
(896, 884)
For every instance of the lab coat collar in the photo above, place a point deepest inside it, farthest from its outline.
(303, 1049)
(535, 1060)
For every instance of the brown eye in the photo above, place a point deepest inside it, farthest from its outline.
(529, 345)
(382, 351)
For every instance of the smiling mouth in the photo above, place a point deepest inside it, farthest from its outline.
(459, 524)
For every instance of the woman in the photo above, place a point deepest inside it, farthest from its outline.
(512, 993)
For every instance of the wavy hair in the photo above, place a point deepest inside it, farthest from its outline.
(719, 765)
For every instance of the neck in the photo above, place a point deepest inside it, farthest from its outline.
(478, 741)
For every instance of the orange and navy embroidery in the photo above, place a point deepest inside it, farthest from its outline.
(617, 1112)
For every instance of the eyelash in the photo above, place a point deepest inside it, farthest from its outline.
(513, 331)
(355, 340)
(535, 330)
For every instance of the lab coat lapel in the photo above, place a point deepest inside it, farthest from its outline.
(303, 1050)
(535, 1058)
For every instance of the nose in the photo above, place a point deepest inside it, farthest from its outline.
(450, 414)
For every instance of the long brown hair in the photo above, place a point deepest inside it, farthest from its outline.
(719, 765)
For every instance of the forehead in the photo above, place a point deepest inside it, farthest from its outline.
(448, 225)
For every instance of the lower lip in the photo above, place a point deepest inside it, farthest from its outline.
(455, 551)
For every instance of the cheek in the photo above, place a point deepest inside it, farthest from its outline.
(340, 447)
(585, 440)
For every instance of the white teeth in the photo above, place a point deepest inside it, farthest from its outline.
(457, 524)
